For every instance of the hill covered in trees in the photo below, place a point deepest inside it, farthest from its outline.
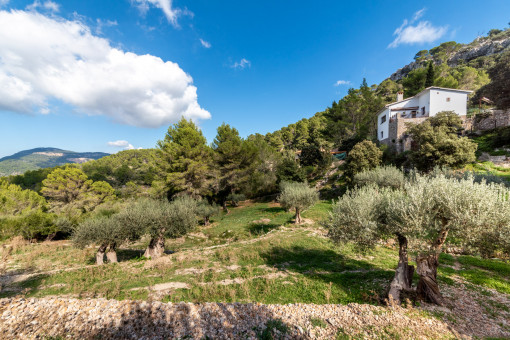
(482, 66)
(38, 158)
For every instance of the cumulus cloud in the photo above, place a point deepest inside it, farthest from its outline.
(170, 12)
(122, 144)
(341, 82)
(422, 32)
(241, 64)
(43, 59)
(47, 5)
(204, 43)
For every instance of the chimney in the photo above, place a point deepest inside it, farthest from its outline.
(400, 96)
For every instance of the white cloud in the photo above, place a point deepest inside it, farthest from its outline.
(242, 64)
(422, 32)
(204, 43)
(104, 23)
(341, 82)
(166, 6)
(85, 71)
(122, 144)
(3, 2)
(47, 5)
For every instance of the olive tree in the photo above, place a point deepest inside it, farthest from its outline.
(162, 219)
(109, 232)
(297, 196)
(206, 210)
(423, 215)
(385, 176)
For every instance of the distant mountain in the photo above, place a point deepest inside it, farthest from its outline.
(38, 158)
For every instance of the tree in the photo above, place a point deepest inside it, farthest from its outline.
(429, 80)
(436, 143)
(187, 162)
(69, 191)
(297, 196)
(288, 170)
(206, 210)
(161, 219)
(233, 157)
(425, 213)
(498, 90)
(364, 156)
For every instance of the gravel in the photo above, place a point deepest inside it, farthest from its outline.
(25, 318)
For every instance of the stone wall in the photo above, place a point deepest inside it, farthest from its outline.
(490, 120)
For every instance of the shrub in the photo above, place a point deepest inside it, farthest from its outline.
(206, 210)
(298, 196)
(364, 156)
(386, 176)
(235, 199)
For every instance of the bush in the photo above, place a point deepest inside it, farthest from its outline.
(386, 176)
(363, 156)
(437, 143)
(289, 171)
(206, 210)
(235, 199)
(298, 196)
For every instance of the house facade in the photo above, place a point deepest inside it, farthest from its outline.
(393, 119)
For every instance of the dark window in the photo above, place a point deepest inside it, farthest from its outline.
(448, 99)
(382, 135)
(413, 114)
(423, 110)
(383, 119)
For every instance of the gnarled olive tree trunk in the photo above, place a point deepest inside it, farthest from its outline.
(100, 253)
(156, 247)
(224, 205)
(403, 274)
(426, 267)
(111, 255)
(298, 216)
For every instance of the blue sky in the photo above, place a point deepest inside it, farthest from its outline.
(101, 75)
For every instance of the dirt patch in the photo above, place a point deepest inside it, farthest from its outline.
(165, 286)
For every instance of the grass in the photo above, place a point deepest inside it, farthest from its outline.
(489, 168)
(237, 260)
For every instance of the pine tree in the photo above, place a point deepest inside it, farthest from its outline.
(186, 161)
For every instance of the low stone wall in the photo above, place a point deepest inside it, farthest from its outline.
(492, 120)
(111, 319)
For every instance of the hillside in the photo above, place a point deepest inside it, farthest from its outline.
(480, 66)
(38, 158)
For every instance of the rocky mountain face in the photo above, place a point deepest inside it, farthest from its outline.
(480, 47)
(38, 158)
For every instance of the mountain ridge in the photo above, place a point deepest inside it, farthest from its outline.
(43, 157)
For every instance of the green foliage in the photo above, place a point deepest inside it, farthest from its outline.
(436, 143)
(289, 171)
(206, 210)
(298, 196)
(186, 161)
(234, 158)
(70, 192)
(429, 80)
(498, 90)
(128, 166)
(234, 199)
(383, 177)
(473, 214)
(363, 156)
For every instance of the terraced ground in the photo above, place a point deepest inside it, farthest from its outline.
(256, 254)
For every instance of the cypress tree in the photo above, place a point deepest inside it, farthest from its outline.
(429, 81)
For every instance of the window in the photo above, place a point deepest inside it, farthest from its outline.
(413, 114)
(423, 110)
(382, 135)
(383, 119)
(448, 99)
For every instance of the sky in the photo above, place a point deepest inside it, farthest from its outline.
(111, 75)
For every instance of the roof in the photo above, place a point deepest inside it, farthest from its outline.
(421, 92)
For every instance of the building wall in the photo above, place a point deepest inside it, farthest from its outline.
(438, 102)
(383, 127)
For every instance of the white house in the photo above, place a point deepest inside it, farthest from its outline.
(425, 104)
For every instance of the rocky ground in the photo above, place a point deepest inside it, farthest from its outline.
(99, 318)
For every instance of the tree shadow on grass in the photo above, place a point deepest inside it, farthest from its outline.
(261, 228)
(29, 285)
(356, 277)
(274, 210)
